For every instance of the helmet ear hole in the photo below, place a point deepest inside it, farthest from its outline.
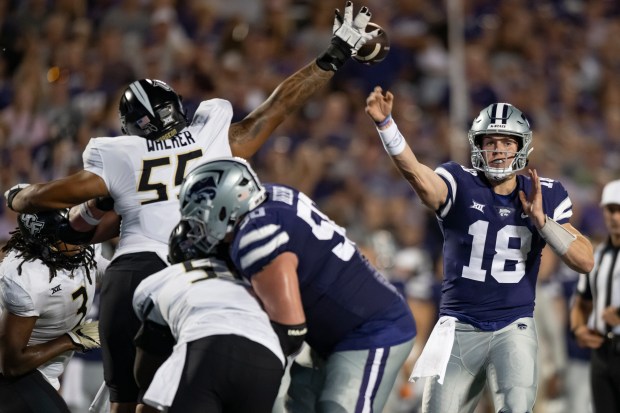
(223, 214)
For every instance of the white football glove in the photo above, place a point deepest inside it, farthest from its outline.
(86, 336)
(10, 194)
(349, 34)
(353, 31)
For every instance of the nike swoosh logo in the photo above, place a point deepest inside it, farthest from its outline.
(524, 215)
(81, 334)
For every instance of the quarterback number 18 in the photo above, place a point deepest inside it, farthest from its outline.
(503, 252)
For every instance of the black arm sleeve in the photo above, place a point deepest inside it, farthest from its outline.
(291, 336)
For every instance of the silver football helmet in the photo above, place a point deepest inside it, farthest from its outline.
(500, 119)
(214, 196)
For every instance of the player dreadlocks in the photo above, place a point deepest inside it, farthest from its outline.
(42, 236)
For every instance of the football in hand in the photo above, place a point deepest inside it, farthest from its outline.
(374, 50)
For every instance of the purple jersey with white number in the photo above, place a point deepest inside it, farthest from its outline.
(348, 304)
(491, 252)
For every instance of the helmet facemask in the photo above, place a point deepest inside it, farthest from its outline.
(180, 246)
(500, 119)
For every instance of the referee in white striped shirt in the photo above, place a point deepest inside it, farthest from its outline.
(595, 313)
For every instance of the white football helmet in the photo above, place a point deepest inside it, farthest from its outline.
(500, 119)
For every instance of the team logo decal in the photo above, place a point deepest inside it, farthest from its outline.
(476, 205)
(32, 223)
(205, 189)
(504, 212)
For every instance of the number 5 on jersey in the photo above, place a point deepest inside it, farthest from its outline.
(167, 178)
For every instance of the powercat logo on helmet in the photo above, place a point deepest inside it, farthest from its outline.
(204, 190)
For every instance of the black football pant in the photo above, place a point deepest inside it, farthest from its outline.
(30, 393)
(118, 323)
(228, 374)
(605, 376)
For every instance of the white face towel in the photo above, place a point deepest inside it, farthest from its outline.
(436, 353)
(163, 388)
(101, 402)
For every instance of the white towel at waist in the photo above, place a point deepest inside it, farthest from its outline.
(101, 402)
(436, 353)
(163, 388)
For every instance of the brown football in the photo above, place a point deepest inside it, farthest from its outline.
(375, 50)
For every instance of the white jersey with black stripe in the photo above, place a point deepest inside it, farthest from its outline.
(143, 176)
(602, 286)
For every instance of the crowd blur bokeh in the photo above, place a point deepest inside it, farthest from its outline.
(64, 63)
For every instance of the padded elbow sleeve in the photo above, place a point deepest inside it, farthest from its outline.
(291, 336)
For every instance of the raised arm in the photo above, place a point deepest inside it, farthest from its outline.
(349, 34)
(247, 135)
(429, 186)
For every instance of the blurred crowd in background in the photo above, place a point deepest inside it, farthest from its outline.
(64, 63)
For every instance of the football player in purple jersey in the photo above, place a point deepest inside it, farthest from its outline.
(307, 273)
(495, 223)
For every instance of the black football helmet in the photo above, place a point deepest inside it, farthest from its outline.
(45, 232)
(151, 109)
(41, 228)
(180, 246)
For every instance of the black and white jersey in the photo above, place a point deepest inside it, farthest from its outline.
(201, 298)
(602, 286)
(144, 176)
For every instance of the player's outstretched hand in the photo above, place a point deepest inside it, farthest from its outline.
(10, 194)
(533, 205)
(86, 336)
(379, 105)
(349, 34)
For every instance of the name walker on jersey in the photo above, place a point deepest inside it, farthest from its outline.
(177, 141)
